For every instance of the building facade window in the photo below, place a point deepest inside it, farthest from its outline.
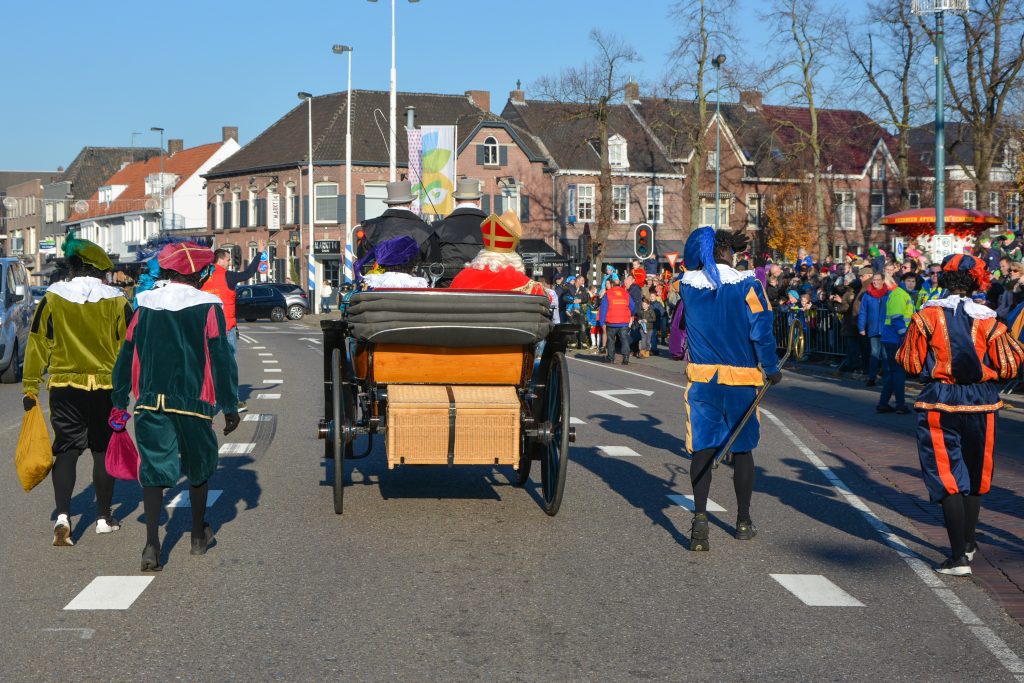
(655, 204)
(1013, 207)
(993, 203)
(252, 209)
(289, 206)
(754, 211)
(712, 160)
(620, 203)
(585, 202)
(970, 199)
(845, 210)
(617, 152)
(877, 207)
(326, 208)
(914, 198)
(511, 200)
(878, 171)
(490, 152)
(236, 201)
(218, 212)
(707, 211)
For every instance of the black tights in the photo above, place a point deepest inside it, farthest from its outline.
(742, 480)
(152, 502)
(64, 470)
(960, 513)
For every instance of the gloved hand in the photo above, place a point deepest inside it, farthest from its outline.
(118, 419)
(28, 401)
(230, 422)
(775, 378)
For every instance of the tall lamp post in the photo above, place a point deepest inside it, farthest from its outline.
(717, 62)
(314, 304)
(156, 129)
(349, 255)
(393, 116)
(939, 8)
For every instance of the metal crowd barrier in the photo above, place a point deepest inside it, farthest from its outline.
(821, 330)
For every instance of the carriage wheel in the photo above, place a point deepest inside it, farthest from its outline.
(338, 445)
(555, 456)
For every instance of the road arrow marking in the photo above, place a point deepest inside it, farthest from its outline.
(618, 451)
(110, 592)
(311, 339)
(814, 590)
(687, 503)
(610, 394)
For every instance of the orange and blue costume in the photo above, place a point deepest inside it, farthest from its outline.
(958, 350)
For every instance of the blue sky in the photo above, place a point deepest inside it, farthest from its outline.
(83, 73)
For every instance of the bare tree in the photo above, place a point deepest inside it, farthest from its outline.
(807, 36)
(588, 92)
(885, 52)
(985, 55)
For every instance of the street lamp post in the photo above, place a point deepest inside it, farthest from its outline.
(349, 255)
(393, 116)
(717, 62)
(310, 263)
(939, 8)
(156, 129)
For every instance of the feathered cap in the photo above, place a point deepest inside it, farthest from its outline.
(699, 252)
(966, 262)
(89, 252)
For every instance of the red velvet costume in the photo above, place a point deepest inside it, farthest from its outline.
(501, 235)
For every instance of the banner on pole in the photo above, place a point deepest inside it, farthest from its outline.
(432, 169)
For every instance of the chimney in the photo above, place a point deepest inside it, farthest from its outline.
(481, 98)
(517, 96)
(229, 133)
(175, 145)
(751, 98)
(410, 117)
(632, 94)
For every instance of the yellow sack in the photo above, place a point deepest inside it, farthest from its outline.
(34, 456)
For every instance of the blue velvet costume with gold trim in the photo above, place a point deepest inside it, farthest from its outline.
(729, 325)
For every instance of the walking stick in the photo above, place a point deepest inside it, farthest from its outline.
(794, 343)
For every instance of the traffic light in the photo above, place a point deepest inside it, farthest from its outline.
(643, 241)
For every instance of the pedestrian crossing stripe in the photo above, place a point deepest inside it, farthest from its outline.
(273, 380)
(184, 500)
(576, 421)
(269, 360)
(264, 354)
(236, 448)
(268, 396)
(110, 592)
(619, 451)
(687, 502)
(814, 590)
(257, 417)
(259, 347)
(271, 369)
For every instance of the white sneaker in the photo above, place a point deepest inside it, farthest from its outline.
(62, 531)
(107, 525)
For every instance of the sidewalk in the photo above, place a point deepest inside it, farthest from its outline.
(881, 450)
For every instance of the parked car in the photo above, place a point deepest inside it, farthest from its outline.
(16, 309)
(37, 294)
(295, 296)
(253, 302)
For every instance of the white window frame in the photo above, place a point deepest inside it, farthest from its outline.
(875, 220)
(993, 203)
(511, 199)
(251, 208)
(585, 195)
(620, 203)
(1013, 205)
(492, 155)
(655, 204)
(218, 212)
(878, 170)
(236, 213)
(970, 199)
(707, 205)
(316, 202)
(618, 152)
(289, 206)
(844, 205)
(755, 207)
(711, 160)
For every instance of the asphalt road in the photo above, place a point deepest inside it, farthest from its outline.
(456, 575)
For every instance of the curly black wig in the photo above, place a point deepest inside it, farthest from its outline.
(958, 281)
(729, 240)
(76, 267)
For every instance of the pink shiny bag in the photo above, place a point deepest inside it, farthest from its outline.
(122, 457)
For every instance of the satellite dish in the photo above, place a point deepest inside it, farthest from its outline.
(152, 205)
(10, 203)
(81, 206)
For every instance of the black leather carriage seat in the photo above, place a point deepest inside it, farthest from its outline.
(446, 317)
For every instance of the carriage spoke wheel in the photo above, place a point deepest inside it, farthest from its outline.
(339, 425)
(555, 452)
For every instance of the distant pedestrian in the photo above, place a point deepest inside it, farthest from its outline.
(326, 296)
(615, 315)
(870, 320)
(899, 309)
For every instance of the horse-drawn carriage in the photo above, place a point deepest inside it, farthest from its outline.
(448, 378)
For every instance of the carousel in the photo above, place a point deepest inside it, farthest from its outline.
(964, 225)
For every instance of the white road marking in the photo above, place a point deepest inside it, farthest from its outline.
(183, 500)
(273, 380)
(687, 502)
(236, 448)
(310, 339)
(83, 633)
(264, 354)
(271, 369)
(269, 361)
(259, 347)
(110, 592)
(576, 421)
(619, 451)
(257, 417)
(999, 649)
(610, 394)
(268, 396)
(815, 590)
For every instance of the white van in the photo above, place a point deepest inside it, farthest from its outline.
(16, 308)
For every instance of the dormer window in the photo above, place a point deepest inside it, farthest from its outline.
(490, 152)
(109, 193)
(617, 157)
(153, 184)
(878, 170)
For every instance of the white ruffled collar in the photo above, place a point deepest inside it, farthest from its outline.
(174, 296)
(974, 310)
(84, 290)
(727, 274)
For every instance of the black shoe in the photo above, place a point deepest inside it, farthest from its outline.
(902, 410)
(699, 533)
(199, 545)
(625, 361)
(886, 408)
(151, 559)
(972, 548)
(745, 530)
(955, 567)
(870, 383)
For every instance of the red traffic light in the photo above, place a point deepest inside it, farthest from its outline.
(643, 241)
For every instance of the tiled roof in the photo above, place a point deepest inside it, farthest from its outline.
(571, 138)
(959, 143)
(183, 164)
(94, 165)
(285, 142)
(847, 137)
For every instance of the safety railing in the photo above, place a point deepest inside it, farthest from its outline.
(821, 330)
